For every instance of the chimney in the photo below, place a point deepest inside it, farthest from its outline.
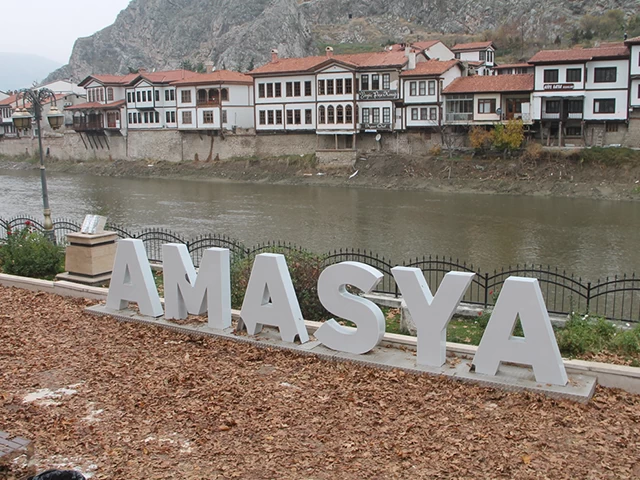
(209, 66)
(411, 57)
(329, 51)
(274, 55)
(142, 70)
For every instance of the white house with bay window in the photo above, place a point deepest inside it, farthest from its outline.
(581, 95)
(215, 101)
(634, 74)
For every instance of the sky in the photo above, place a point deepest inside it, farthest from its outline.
(50, 27)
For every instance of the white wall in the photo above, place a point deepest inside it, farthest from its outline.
(562, 75)
(439, 51)
(635, 93)
(620, 97)
(426, 98)
(486, 117)
(283, 80)
(622, 77)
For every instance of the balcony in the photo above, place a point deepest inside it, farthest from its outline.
(386, 94)
(562, 116)
(88, 125)
(459, 117)
(207, 103)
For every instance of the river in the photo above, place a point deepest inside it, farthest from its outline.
(587, 237)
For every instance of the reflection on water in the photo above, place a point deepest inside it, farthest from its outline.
(591, 238)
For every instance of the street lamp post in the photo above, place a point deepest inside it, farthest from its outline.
(22, 121)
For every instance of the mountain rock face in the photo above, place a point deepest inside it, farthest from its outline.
(239, 34)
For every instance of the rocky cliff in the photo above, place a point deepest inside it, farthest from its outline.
(238, 34)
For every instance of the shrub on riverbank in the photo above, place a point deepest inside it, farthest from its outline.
(28, 253)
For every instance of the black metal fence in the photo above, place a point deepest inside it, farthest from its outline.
(616, 298)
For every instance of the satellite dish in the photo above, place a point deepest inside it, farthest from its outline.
(498, 111)
(378, 137)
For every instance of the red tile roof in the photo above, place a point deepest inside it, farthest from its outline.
(219, 76)
(11, 99)
(617, 50)
(491, 84)
(472, 46)
(97, 106)
(512, 65)
(430, 67)
(633, 41)
(110, 79)
(166, 76)
(305, 64)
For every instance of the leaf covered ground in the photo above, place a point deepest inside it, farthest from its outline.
(122, 401)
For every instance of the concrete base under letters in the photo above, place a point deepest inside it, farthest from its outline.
(510, 377)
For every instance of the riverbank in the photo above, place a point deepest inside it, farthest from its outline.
(610, 173)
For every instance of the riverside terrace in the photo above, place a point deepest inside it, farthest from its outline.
(616, 298)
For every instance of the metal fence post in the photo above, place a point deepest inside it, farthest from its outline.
(486, 290)
(588, 296)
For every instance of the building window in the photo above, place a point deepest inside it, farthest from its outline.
(321, 117)
(320, 87)
(348, 114)
(157, 117)
(262, 117)
(261, 90)
(483, 56)
(364, 82)
(278, 117)
(330, 87)
(101, 92)
(386, 115)
(339, 86)
(375, 115)
(574, 106)
(574, 75)
(146, 117)
(296, 89)
(573, 131)
(157, 95)
(365, 115)
(139, 117)
(412, 89)
(386, 81)
(185, 96)
(166, 95)
(487, 105)
(129, 97)
(270, 117)
(331, 114)
(432, 87)
(433, 113)
(612, 127)
(167, 117)
(207, 117)
(307, 88)
(138, 97)
(269, 90)
(605, 75)
(173, 117)
(144, 95)
(224, 116)
(339, 114)
(424, 113)
(552, 106)
(307, 117)
(414, 114)
(109, 94)
(375, 81)
(289, 117)
(604, 105)
(422, 88)
(348, 86)
(289, 89)
(131, 118)
(296, 117)
(224, 94)
(186, 117)
(278, 90)
(551, 76)
(172, 95)
(457, 55)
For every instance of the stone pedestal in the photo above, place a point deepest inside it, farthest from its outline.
(89, 258)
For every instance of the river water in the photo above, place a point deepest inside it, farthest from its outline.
(590, 238)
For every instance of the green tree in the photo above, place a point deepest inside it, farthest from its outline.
(509, 136)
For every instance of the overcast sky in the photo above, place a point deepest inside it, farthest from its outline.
(49, 27)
